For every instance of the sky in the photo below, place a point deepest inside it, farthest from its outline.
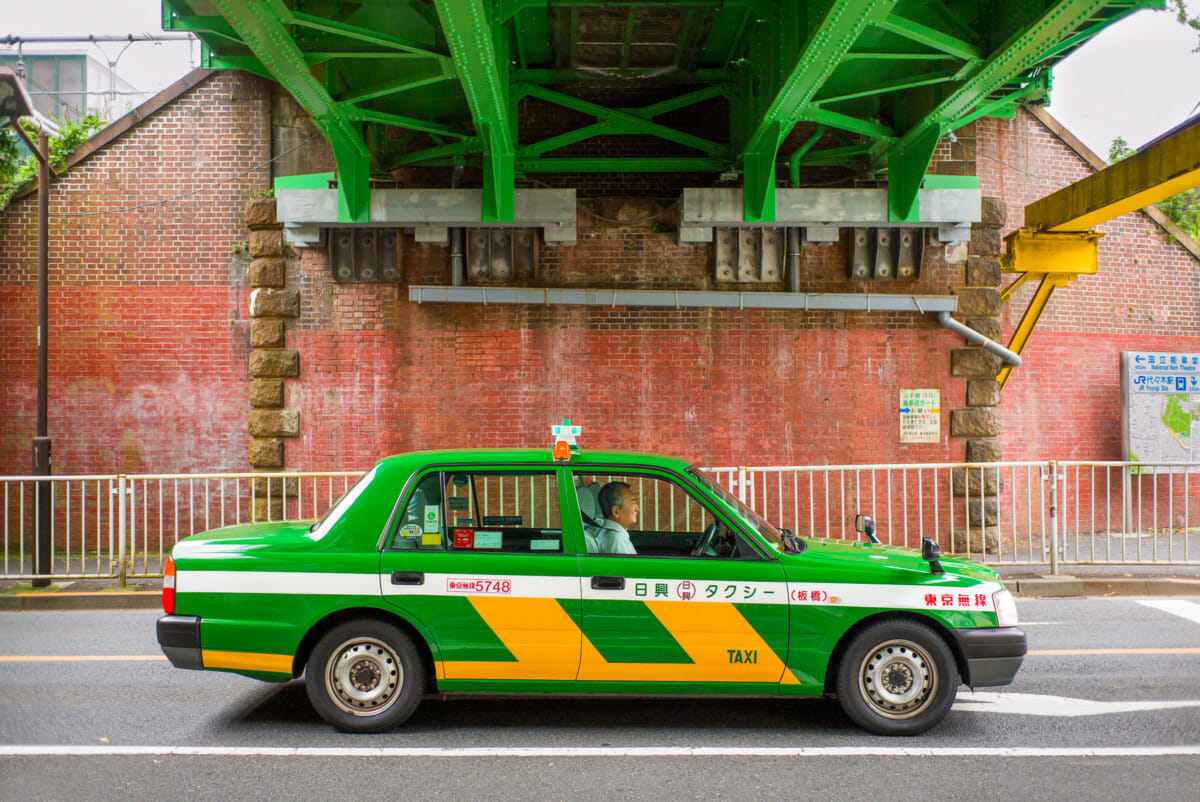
(1135, 80)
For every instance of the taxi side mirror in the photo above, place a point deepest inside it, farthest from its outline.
(865, 524)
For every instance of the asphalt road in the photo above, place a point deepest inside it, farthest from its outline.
(1086, 718)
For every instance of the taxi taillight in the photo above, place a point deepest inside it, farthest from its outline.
(168, 599)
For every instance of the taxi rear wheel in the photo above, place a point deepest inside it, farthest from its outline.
(897, 678)
(365, 676)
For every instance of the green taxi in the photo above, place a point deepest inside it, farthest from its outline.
(577, 572)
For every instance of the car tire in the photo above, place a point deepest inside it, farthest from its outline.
(897, 678)
(365, 676)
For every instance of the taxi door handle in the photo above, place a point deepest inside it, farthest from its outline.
(408, 578)
(608, 583)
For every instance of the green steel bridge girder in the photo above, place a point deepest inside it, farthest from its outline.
(910, 155)
(829, 42)
(885, 78)
(482, 61)
(258, 24)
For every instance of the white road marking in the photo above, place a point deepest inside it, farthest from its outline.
(1034, 704)
(1183, 609)
(17, 750)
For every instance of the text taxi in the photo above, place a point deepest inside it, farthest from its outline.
(604, 572)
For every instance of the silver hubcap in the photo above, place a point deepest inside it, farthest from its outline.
(363, 676)
(898, 679)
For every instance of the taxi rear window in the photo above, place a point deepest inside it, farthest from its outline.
(482, 511)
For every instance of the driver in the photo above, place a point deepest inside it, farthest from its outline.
(619, 507)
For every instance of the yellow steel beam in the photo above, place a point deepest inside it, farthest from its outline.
(1162, 169)
(1031, 251)
(1037, 305)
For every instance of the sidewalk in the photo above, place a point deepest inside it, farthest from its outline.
(106, 594)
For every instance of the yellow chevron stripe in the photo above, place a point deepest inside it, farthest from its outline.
(248, 661)
(707, 632)
(538, 632)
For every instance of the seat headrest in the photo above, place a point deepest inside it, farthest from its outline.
(589, 501)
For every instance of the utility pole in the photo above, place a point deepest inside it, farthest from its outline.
(43, 554)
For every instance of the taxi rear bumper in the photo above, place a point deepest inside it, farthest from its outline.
(179, 638)
(991, 655)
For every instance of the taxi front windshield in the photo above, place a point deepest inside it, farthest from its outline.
(322, 525)
(780, 539)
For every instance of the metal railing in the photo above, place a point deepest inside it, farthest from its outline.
(124, 526)
(1012, 513)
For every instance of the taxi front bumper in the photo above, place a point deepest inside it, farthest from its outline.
(992, 655)
(179, 638)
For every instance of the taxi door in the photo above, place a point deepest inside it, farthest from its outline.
(476, 555)
(695, 609)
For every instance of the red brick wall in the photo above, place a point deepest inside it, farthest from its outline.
(147, 335)
(1065, 401)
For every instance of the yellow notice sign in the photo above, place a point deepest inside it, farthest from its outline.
(920, 416)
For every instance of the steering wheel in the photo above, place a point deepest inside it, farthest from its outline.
(704, 544)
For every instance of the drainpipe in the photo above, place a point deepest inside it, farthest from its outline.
(457, 260)
(793, 259)
(1010, 358)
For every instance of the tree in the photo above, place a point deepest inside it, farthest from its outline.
(16, 169)
(1183, 209)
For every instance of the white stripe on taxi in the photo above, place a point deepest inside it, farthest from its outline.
(972, 599)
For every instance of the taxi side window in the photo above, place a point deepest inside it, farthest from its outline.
(421, 518)
(496, 511)
(654, 517)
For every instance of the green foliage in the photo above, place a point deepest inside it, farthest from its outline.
(1182, 15)
(1119, 149)
(1183, 209)
(16, 171)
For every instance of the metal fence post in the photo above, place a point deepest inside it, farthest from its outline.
(121, 513)
(742, 485)
(1053, 518)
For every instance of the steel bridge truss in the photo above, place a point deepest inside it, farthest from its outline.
(701, 86)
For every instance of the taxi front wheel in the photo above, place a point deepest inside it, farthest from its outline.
(365, 676)
(897, 678)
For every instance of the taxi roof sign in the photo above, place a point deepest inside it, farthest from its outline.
(564, 439)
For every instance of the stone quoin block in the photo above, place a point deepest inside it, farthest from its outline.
(967, 481)
(974, 363)
(265, 452)
(979, 302)
(983, 393)
(976, 541)
(274, 303)
(975, 422)
(274, 363)
(267, 273)
(259, 213)
(986, 449)
(274, 423)
(982, 271)
(993, 212)
(266, 393)
(266, 243)
(267, 333)
(984, 241)
(987, 326)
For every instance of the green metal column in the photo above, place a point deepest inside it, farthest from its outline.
(261, 25)
(484, 76)
(840, 27)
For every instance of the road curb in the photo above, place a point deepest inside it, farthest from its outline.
(106, 600)
(1064, 586)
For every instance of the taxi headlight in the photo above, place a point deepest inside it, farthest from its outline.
(1006, 608)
